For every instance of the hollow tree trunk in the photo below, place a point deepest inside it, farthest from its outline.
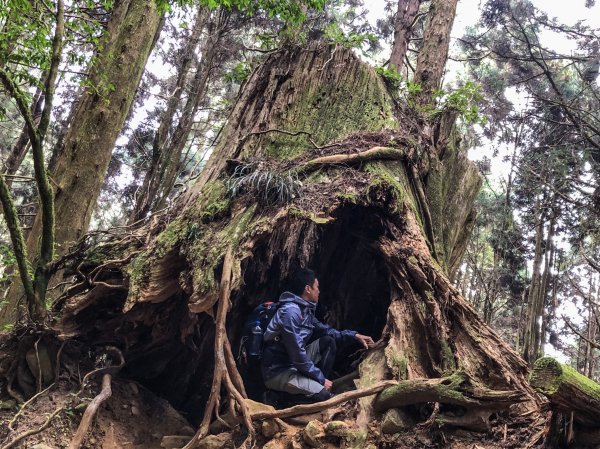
(317, 166)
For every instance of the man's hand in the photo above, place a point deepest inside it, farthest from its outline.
(328, 384)
(365, 340)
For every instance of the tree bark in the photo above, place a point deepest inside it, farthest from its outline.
(403, 23)
(434, 52)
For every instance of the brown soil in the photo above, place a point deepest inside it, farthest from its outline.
(132, 418)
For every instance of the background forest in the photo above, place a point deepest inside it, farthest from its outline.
(109, 111)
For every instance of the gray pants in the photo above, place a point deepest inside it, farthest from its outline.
(291, 381)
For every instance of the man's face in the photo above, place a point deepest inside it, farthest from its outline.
(312, 291)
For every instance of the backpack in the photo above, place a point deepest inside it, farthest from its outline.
(251, 345)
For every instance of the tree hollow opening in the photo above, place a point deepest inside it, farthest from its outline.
(353, 278)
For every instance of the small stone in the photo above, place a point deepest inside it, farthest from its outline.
(269, 428)
(134, 388)
(41, 446)
(336, 428)
(275, 444)
(174, 441)
(219, 441)
(135, 411)
(7, 405)
(293, 444)
(312, 433)
(396, 420)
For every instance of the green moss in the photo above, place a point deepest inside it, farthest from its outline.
(296, 212)
(348, 198)
(138, 271)
(214, 202)
(171, 236)
(397, 363)
(548, 376)
(206, 253)
(448, 360)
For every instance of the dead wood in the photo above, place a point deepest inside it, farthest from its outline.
(320, 406)
(372, 154)
(90, 411)
(455, 390)
(568, 390)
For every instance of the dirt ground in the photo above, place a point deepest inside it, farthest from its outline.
(132, 418)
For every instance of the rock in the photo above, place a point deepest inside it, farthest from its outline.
(269, 428)
(275, 444)
(293, 444)
(174, 441)
(41, 446)
(396, 420)
(336, 428)
(7, 405)
(135, 411)
(44, 366)
(219, 441)
(313, 433)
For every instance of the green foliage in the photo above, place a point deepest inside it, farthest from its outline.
(391, 76)
(239, 73)
(335, 33)
(7, 260)
(291, 11)
(267, 186)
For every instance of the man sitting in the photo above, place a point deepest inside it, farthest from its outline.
(292, 365)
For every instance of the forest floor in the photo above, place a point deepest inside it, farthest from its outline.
(135, 418)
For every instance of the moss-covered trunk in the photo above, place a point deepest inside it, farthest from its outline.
(318, 166)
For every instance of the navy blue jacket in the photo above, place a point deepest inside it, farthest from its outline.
(294, 326)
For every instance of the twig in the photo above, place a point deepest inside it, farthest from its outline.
(320, 406)
(33, 431)
(90, 411)
(33, 398)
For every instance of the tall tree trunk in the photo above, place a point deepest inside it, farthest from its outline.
(403, 23)
(434, 52)
(534, 308)
(160, 148)
(80, 169)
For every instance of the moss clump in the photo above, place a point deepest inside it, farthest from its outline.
(206, 253)
(302, 214)
(396, 362)
(138, 271)
(548, 376)
(448, 360)
(171, 236)
(213, 203)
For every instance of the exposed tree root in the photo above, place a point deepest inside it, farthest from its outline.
(12, 422)
(225, 367)
(454, 390)
(320, 406)
(375, 153)
(90, 411)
